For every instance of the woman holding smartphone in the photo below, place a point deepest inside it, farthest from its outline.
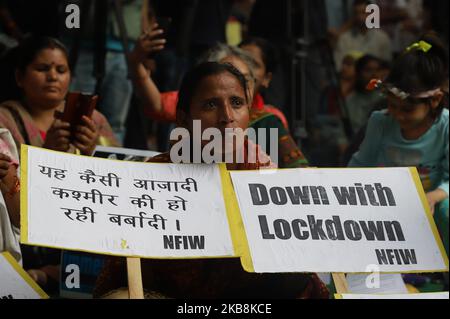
(42, 76)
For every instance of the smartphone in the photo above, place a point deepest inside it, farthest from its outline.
(78, 105)
(163, 24)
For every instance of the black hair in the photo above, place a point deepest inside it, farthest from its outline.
(385, 65)
(416, 71)
(363, 61)
(269, 53)
(193, 78)
(31, 46)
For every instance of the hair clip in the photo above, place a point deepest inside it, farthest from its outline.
(374, 84)
(421, 45)
(378, 84)
(398, 93)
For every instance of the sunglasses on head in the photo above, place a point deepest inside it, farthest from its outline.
(390, 89)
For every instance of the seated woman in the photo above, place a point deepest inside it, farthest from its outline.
(264, 56)
(42, 76)
(162, 106)
(217, 95)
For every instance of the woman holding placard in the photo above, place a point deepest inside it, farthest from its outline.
(162, 106)
(215, 94)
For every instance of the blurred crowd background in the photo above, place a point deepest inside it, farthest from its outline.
(324, 56)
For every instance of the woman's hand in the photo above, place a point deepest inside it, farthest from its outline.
(148, 43)
(5, 163)
(58, 136)
(86, 136)
(139, 61)
(435, 197)
(10, 188)
(39, 276)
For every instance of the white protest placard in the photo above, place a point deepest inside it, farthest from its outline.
(149, 210)
(337, 220)
(428, 295)
(15, 283)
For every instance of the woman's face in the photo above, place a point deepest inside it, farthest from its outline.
(262, 77)
(369, 72)
(409, 116)
(219, 102)
(46, 79)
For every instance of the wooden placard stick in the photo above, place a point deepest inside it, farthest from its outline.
(340, 282)
(135, 288)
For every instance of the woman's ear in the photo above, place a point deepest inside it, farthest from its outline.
(18, 76)
(436, 100)
(267, 79)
